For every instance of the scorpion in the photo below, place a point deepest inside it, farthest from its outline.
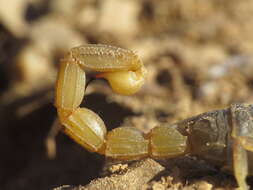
(222, 137)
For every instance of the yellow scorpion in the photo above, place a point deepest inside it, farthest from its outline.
(125, 72)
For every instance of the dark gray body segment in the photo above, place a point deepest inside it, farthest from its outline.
(210, 135)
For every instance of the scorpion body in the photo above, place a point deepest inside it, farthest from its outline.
(224, 137)
(210, 135)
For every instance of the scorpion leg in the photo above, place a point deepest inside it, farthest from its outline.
(246, 142)
(240, 163)
(50, 140)
(242, 134)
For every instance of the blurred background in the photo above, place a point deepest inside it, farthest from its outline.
(199, 55)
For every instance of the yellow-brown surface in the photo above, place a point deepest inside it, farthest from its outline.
(199, 55)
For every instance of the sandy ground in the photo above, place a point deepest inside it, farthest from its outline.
(199, 56)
